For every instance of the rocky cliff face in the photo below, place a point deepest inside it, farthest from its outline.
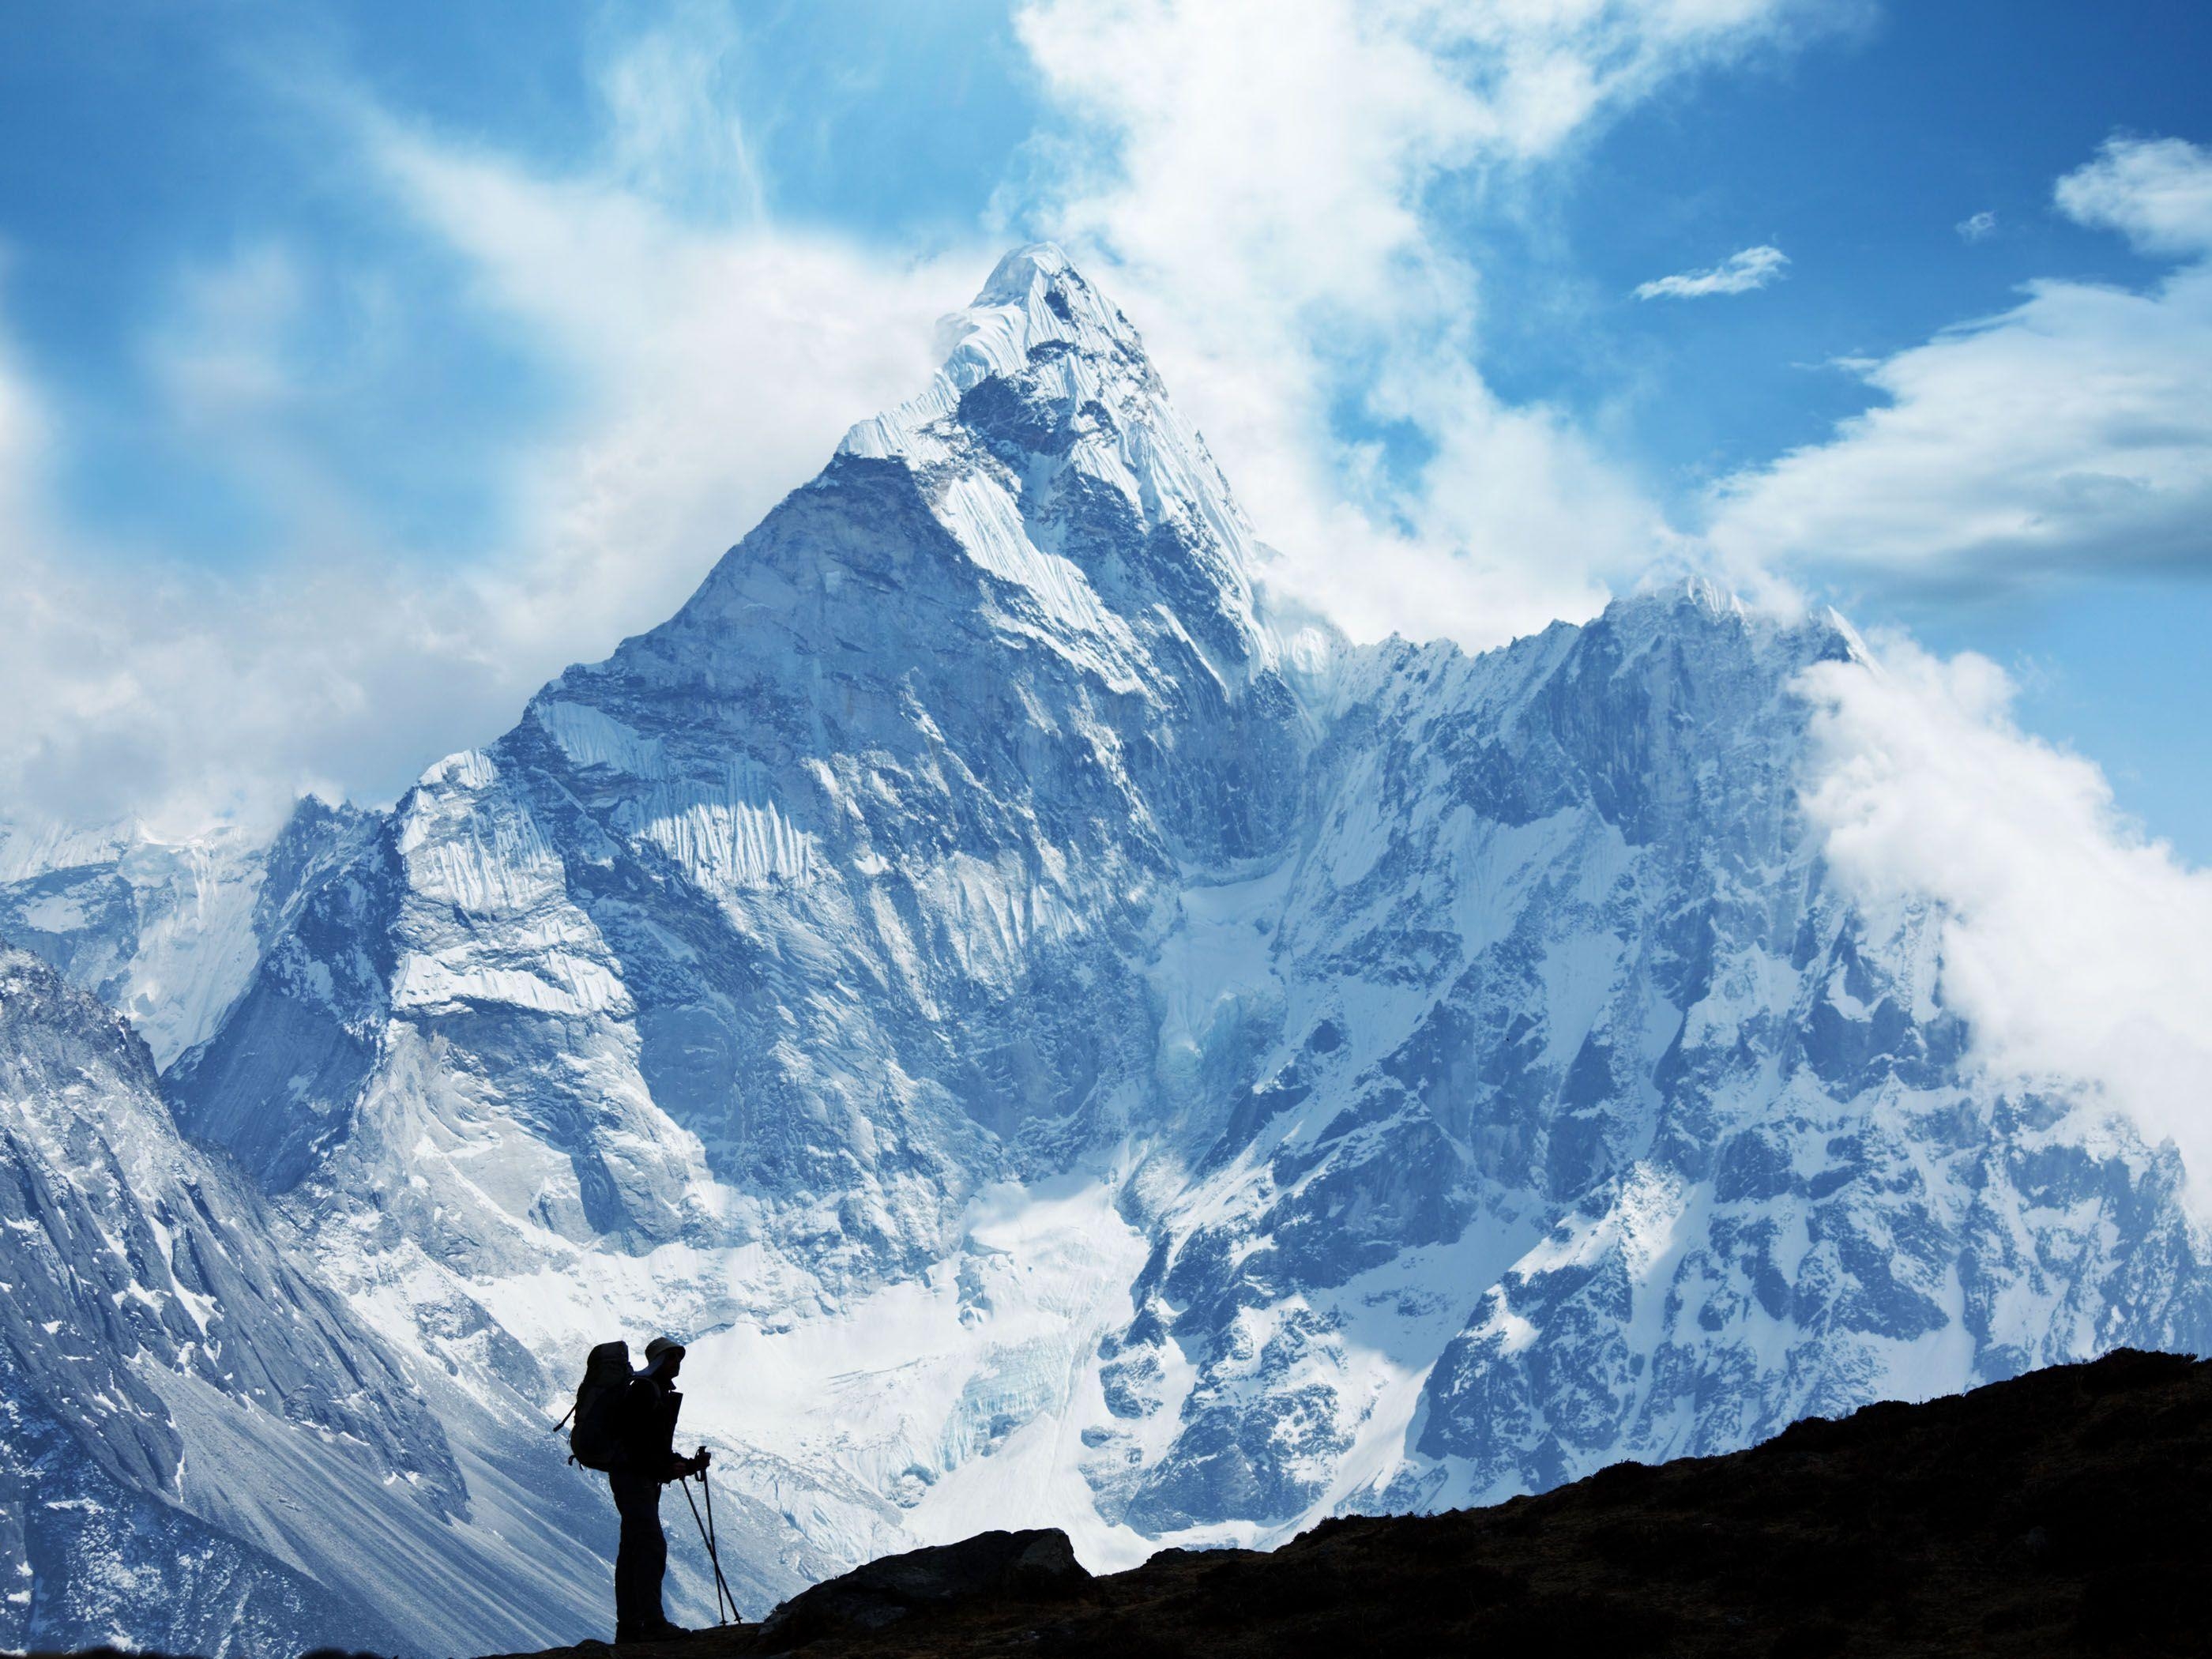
(1588, 1122)
(1072, 1045)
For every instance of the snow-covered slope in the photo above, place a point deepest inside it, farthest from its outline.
(1066, 1053)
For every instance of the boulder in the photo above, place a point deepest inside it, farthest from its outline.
(1034, 1565)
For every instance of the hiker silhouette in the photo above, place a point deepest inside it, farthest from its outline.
(642, 1431)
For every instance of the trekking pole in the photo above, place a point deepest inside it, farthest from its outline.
(686, 1480)
(713, 1543)
(715, 1551)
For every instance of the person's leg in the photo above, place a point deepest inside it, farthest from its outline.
(656, 1565)
(641, 1557)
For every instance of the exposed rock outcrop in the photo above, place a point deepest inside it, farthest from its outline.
(1011, 1566)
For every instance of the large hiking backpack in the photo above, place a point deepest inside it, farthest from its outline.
(593, 1441)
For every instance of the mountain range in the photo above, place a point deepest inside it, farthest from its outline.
(1065, 1036)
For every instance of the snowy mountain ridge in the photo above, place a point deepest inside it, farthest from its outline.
(1066, 1054)
(158, 925)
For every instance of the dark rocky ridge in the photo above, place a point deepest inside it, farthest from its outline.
(2066, 1511)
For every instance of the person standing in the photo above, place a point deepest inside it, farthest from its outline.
(646, 1461)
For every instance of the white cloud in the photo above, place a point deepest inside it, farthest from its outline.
(1977, 227)
(1739, 273)
(137, 686)
(2075, 948)
(23, 437)
(2073, 430)
(2070, 431)
(722, 368)
(716, 369)
(142, 688)
(1259, 183)
(2157, 192)
(675, 135)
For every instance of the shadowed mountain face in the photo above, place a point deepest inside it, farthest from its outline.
(1072, 1043)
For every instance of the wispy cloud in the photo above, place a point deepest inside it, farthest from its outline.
(716, 361)
(1739, 273)
(24, 433)
(719, 368)
(2071, 431)
(1977, 227)
(2157, 192)
(1260, 183)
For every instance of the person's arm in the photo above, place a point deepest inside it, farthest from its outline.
(663, 1457)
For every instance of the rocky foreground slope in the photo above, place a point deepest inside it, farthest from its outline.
(2068, 1510)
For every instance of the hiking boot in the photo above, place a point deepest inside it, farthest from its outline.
(660, 1630)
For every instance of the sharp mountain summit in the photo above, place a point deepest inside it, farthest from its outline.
(1072, 1041)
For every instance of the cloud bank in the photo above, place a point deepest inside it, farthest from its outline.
(2076, 950)
(2071, 433)
(716, 369)
(1739, 273)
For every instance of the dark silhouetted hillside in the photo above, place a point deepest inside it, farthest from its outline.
(2066, 1511)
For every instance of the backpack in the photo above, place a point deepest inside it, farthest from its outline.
(592, 1440)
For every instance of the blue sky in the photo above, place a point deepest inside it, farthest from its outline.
(312, 314)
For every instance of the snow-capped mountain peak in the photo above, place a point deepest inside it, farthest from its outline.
(164, 926)
(1063, 1067)
(1048, 448)
(1036, 305)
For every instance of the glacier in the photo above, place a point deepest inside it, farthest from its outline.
(1069, 1039)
